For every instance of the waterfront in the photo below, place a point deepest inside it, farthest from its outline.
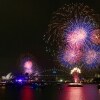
(51, 92)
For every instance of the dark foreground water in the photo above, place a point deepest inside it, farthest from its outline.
(53, 92)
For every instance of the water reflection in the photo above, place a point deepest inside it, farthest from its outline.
(99, 93)
(88, 92)
(91, 92)
(27, 93)
(52, 92)
(75, 93)
(72, 93)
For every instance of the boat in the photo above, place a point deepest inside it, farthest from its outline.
(75, 84)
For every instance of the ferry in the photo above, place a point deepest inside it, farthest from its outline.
(75, 84)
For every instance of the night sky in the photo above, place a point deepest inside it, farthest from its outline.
(22, 25)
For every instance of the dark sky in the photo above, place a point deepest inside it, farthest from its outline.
(22, 25)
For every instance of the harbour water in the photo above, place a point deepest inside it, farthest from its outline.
(51, 92)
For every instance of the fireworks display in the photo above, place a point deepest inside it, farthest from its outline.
(72, 56)
(95, 36)
(29, 65)
(74, 36)
(77, 37)
(75, 70)
(92, 57)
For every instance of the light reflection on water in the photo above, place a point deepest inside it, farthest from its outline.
(99, 93)
(87, 92)
(27, 93)
(72, 93)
